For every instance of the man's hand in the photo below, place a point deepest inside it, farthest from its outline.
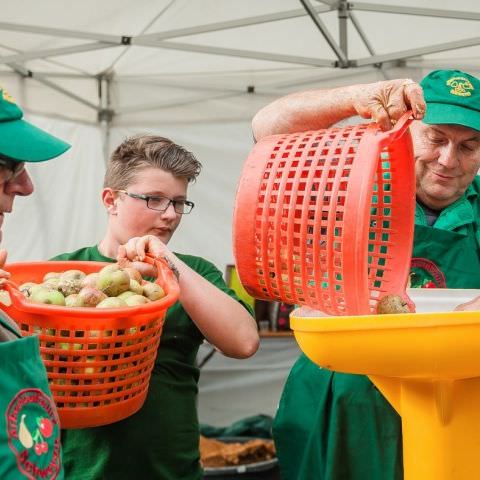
(385, 102)
(4, 275)
(468, 306)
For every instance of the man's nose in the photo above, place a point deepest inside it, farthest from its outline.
(448, 156)
(21, 185)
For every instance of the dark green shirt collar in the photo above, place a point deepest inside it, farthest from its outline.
(456, 215)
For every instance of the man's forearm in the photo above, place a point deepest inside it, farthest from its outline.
(385, 102)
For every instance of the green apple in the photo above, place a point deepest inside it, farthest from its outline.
(153, 291)
(52, 283)
(112, 302)
(74, 300)
(26, 288)
(50, 275)
(137, 300)
(47, 296)
(113, 280)
(126, 294)
(136, 287)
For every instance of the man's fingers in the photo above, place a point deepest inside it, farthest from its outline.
(380, 115)
(3, 257)
(469, 306)
(413, 97)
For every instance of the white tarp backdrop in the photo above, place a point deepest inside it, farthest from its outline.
(195, 71)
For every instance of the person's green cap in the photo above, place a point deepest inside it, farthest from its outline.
(452, 97)
(22, 141)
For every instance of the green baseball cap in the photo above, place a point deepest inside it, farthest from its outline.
(22, 141)
(452, 97)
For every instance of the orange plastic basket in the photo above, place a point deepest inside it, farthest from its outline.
(325, 218)
(98, 361)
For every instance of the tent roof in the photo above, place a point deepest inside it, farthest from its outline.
(131, 59)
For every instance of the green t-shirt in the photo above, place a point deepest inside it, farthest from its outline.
(161, 440)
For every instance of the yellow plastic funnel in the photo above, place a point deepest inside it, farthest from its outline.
(428, 367)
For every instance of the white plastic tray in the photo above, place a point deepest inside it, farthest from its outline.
(427, 300)
(440, 299)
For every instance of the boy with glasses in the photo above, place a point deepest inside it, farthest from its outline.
(145, 195)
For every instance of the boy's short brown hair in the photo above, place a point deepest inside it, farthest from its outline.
(145, 151)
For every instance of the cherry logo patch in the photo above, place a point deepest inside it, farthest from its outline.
(34, 434)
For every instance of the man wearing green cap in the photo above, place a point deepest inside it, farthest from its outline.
(335, 426)
(29, 426)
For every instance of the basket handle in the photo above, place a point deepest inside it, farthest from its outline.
(166, 271)
(16, 295)
(399, 129)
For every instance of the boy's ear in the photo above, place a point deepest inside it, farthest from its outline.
(109, 199)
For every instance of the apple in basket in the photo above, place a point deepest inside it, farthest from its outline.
(111, 287)
(137, 300)
(112, 302)
(49, 296)
(113, 280)
(70, 282)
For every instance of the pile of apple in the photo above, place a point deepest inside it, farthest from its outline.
(111, 287)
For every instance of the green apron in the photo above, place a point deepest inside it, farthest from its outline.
(29, 428)
(335, 426)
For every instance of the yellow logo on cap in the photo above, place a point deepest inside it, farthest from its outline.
(6, 96)
(461, 86)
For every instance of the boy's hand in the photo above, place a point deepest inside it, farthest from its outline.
(134, 251)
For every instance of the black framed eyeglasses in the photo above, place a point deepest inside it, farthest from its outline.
(10, 169)
(160, 204)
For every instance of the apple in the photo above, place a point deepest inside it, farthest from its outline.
(126, 294)
(112, 302)
(136, 287)
(47, 296)
(52, 283)
(153, 291)
(50, 275)
(136, 300)
(134, 274)
(113, 280)
(70, 346)
(71, 281)
(74, 300)
(90, 280)
(90, 370)
(91, 296)
(26, 288)
(392, 304)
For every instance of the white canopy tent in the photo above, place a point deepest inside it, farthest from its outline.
(196, 71)
(93, 72)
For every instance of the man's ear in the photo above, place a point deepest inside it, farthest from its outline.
(109, 199)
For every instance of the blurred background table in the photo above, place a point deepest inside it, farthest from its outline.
(231, 389)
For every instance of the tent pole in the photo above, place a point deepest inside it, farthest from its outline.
(105, 114)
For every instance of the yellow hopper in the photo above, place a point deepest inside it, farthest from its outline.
(426, 364)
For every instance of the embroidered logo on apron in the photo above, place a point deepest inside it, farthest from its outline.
(34, 434)
(426, 274)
